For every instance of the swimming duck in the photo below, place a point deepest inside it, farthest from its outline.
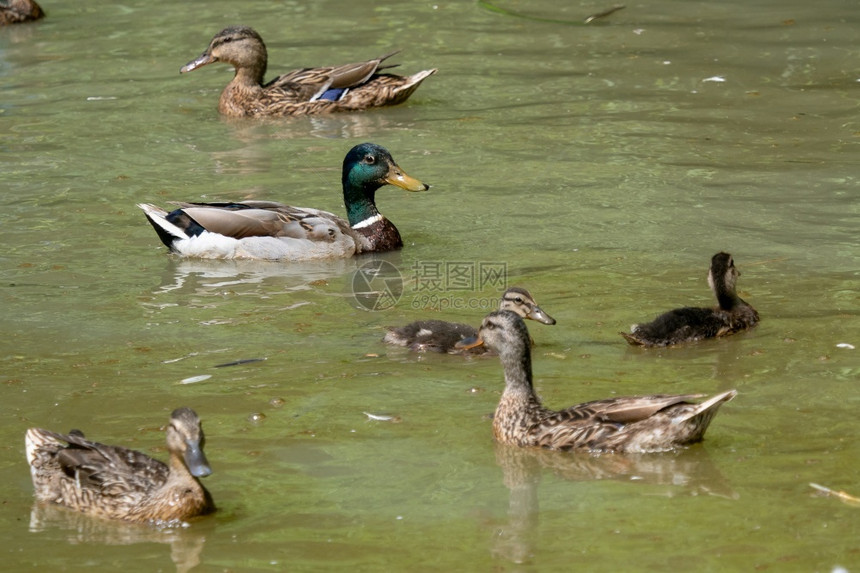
(689, 324)
(272, 231)
(17, 11)
(441, 336)
(118, 483)
(350, 87)
(629, 424)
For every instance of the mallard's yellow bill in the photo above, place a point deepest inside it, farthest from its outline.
(399, 178)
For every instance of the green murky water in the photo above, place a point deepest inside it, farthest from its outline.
(598, 166)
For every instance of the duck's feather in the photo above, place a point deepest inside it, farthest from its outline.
(633, 409)
(268, 218)
(691, 324)
(294, 98)
(309, 83)
(17, 11)
(305, 91)
(120, 483)
(110, 470)
(630, 424)
(640, 424)
(430, 336)
(453, 337)
(254, 230)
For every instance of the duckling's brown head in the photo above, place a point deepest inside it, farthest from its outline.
(722, 278)
(240, 46)
(520, 301)
(185, 440)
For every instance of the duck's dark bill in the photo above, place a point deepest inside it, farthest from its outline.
(539, 315)
(471, 342)
(196, 460)
(194, 64)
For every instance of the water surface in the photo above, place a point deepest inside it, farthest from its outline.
(600, 166)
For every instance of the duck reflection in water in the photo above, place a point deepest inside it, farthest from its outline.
(186, 544)
(206, 277)
(253, 152)
(690, 472)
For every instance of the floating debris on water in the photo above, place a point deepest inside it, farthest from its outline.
(494, 7)
(238, 362)
(383, 418)
(194, 379)
(841, 495)
(556, 355)
(172, 360)
(256, 417)
(845, 345)
(604, 14)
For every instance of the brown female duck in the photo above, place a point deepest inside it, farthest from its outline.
(265, 230)
(17, 11)
(629, 424)
(118, 483)
(350, 87)
(441, 336)
(690, 324)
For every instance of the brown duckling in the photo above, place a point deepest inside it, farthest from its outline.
(441, 336)
(690, 324)
(350, 87)
(118, 483)
(17, 11)
(629, 424)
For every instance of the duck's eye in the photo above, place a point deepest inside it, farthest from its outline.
(370, 159)
(518, 300)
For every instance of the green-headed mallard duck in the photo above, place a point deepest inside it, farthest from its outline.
(118, 483)
(689, 324)
(17, 11)
(630, 424)
(441, 336)
(271, 231)
(350, 87)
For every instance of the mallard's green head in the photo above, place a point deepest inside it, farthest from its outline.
(366, 168)
(240, 46)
